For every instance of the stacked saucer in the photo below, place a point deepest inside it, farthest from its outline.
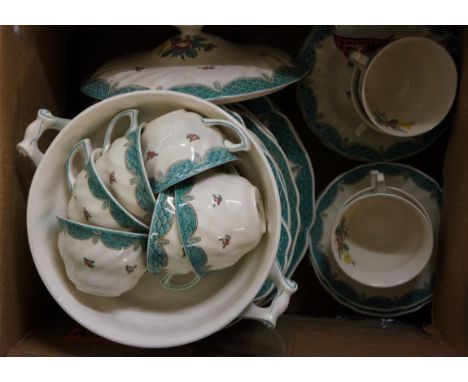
(411, 286)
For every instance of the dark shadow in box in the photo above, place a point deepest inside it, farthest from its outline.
(299, 332)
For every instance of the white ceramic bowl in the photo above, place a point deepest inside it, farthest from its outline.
(149, 315)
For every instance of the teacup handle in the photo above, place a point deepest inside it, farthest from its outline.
(378, 182)
(168, 284)
(269, 315)
(132, 114)
(359, 59)
(44, 121)
(361, 129)
(82, 146)
(244, 144)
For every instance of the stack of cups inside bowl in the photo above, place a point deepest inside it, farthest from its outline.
(161, 196)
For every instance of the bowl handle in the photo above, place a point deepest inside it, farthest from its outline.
(244, 144)
(44, 121)
(270, 314)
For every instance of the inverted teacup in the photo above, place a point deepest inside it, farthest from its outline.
(101, 261)
(120, 167)
(381, 239)
(181, 144)
(165, 253)
(91, 202)
(221, 218)
(408, 86)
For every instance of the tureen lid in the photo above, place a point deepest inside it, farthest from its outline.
(200, 64)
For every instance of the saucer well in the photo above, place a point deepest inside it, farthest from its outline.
(325, 93)
(383, 302)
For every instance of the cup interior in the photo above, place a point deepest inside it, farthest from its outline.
(382, 240)
(409, 86)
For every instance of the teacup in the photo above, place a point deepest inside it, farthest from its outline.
(408, 86)
(165, 253)
(121, 168)
(181, 144)
(381, 239)
(101, 261)
(221, 218)
(91, 202)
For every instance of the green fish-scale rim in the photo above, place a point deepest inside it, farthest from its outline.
(115, 240)
(377, 305)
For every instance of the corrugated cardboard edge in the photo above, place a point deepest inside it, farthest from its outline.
(451, 298)
(29, 79)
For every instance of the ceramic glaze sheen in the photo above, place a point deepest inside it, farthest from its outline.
(101, 262)
(150, 315)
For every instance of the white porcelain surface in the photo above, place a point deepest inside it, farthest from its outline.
(200, 64)
(382, 302)
(325, 93)
(97, 269)
(230, 217)
(381, 240)
(181, 136)
(84, 206)
(177, 262)
(148, 315)
(113, 170)
(408, 87)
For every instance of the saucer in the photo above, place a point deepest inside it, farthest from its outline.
(325, 93)
(300, 165)
(281, 160)
(200, 64)
(384, 302)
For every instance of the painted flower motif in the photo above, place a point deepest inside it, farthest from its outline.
(341, 232)
(192, 137)
(150, 155)
(89, 263)
(187, 46)
(217, 199)
(225, 240)
(112, 179)
(392, 123)
(130, 268)
(86, 214)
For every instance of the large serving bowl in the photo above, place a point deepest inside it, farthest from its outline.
(148, 315)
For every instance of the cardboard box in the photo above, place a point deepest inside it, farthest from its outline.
(43, 67)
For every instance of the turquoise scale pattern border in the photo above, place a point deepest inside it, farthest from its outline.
(115, 240)
(188, 223)
(284, 168)
(134, 164)
(99, 192)
(161, 224)
(184, 169)
(283, 247)
(265, 110)
(102, 89)
(328, 134)
(345, 291)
